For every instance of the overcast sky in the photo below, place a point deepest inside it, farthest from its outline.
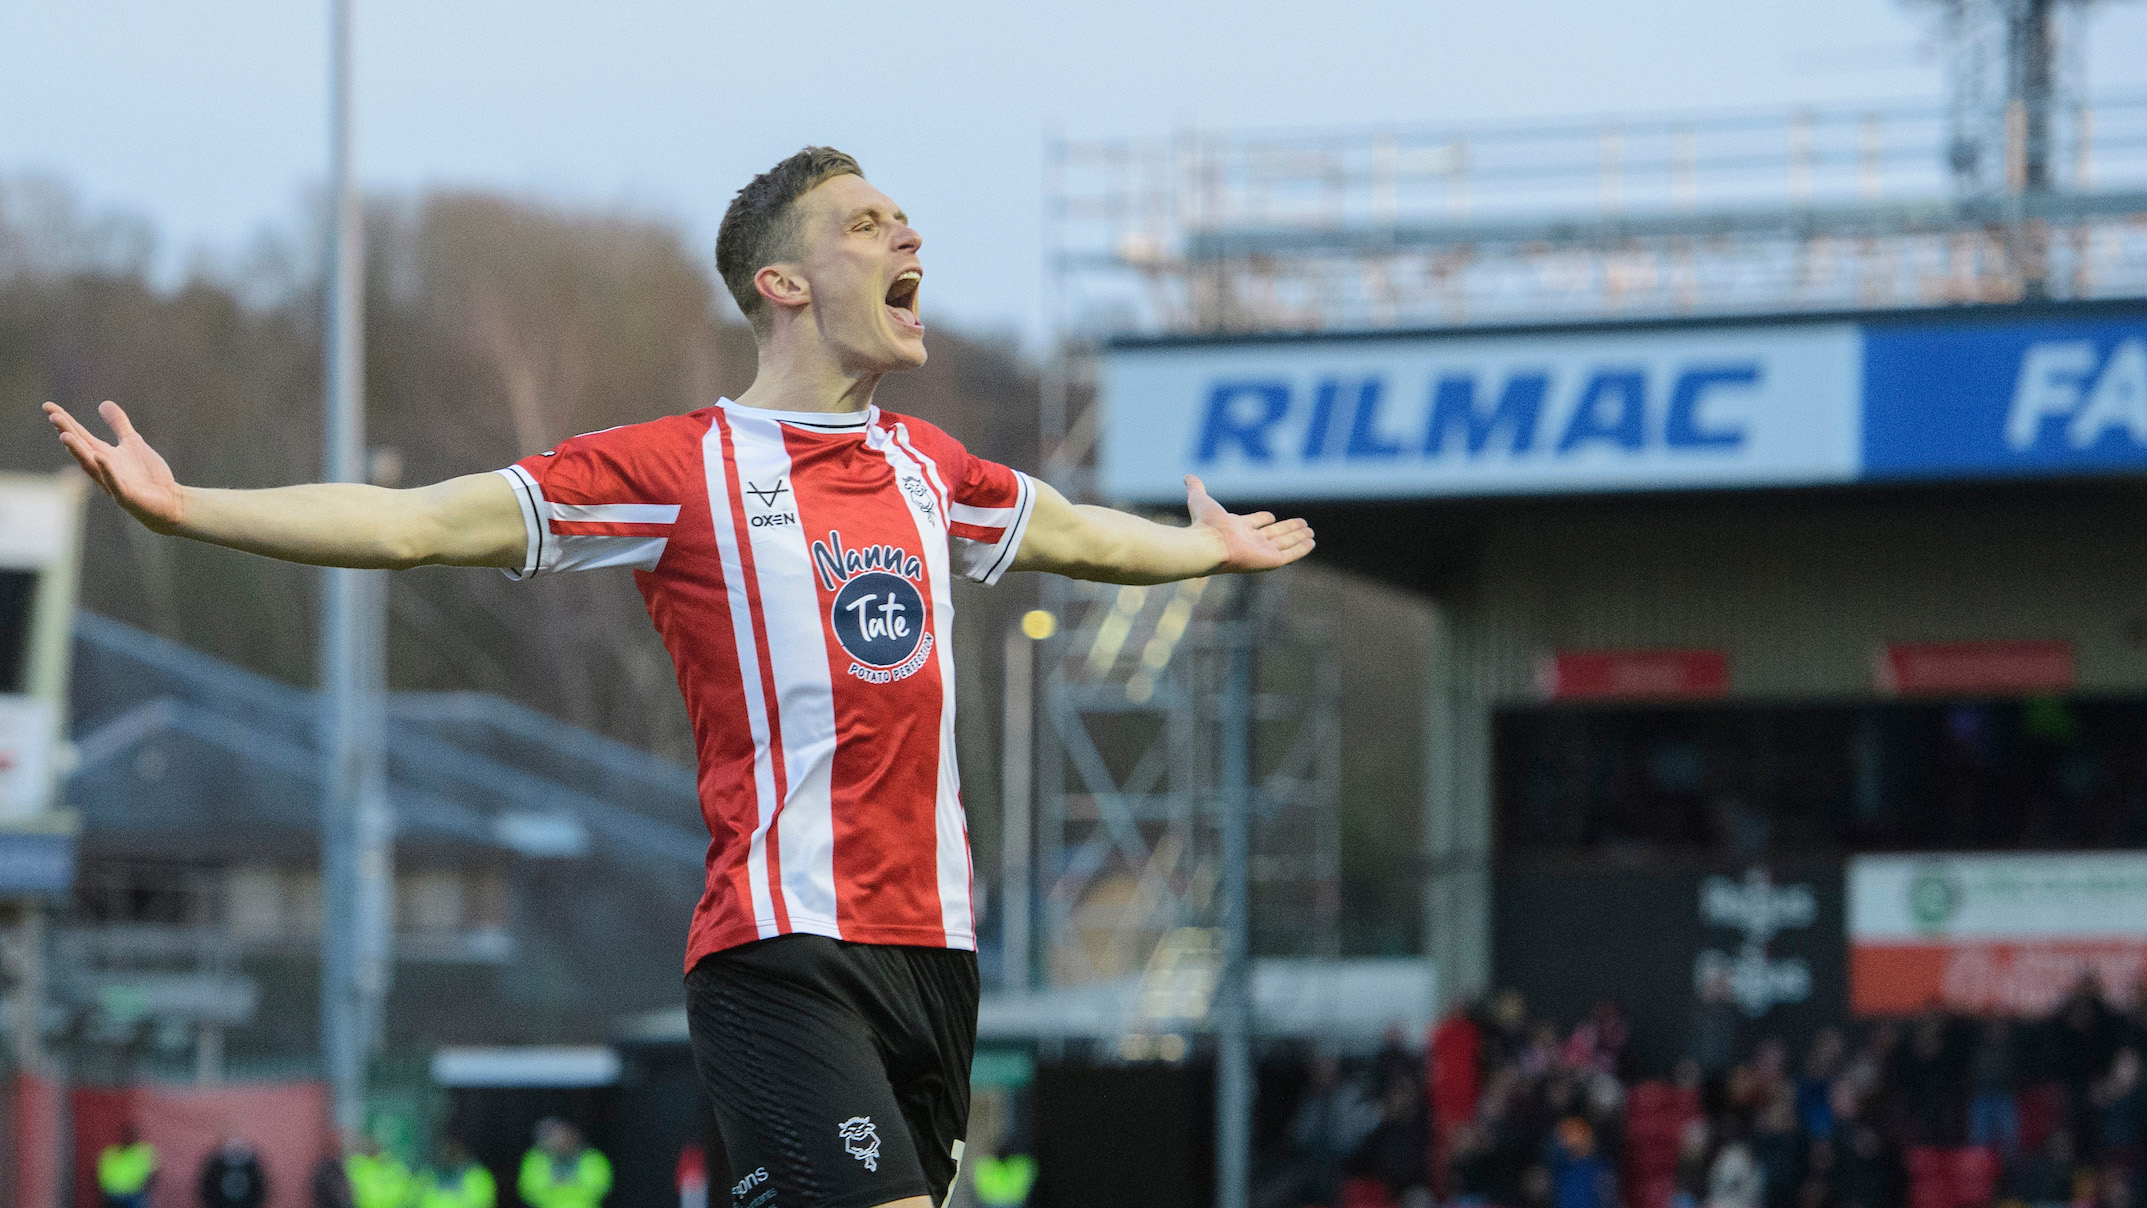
(208, 117)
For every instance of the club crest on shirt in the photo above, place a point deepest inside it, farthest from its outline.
(920, 496)
(878, 614)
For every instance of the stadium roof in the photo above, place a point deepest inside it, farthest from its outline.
(183, 755)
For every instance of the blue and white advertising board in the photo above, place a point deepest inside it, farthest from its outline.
(1657, 407)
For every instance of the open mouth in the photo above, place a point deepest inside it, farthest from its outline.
(902, 298)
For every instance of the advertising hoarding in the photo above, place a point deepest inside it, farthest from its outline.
(1982, 933)
(1567, 936)
(1647, 407)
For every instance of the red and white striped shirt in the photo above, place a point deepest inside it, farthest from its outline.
(798, 567)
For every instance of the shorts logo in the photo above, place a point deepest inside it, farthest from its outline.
(744, 1186)
(878, 614)
(861, 1140)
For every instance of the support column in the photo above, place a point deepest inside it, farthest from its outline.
(357, 830)
(1017, 808)
(1233, 996)
(1456, 828)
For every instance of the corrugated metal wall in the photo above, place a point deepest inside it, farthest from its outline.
(1804, 591)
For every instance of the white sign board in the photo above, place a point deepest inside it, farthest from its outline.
(26, 738)
(2006, 932)
(37, 516)
(1399, 418)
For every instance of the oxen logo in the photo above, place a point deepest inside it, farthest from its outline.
(879, 613)
(861, 1140)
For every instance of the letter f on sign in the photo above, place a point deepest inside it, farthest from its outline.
(2051, 375)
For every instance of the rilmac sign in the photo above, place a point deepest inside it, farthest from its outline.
(1656, 407)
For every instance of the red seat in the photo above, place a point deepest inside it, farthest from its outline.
(2042, 1109)
(1930, 1178)
(1652, 1191)
(1975, 1177)
(1655, 1117)
(1365, 1193)
(1951, 1178)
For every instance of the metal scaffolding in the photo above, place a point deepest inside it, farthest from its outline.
(1132, 802)
(1812, 209)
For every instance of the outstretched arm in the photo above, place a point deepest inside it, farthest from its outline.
(1088, 542)
(468, 521)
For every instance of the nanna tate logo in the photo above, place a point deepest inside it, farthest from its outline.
(879, 613)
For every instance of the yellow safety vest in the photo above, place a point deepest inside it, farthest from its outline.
(126, 1169)
(585, 1185)
(470, 1187)
(1005, 1182)
(377, 1181)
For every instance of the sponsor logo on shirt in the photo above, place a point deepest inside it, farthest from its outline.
(879, 613)
(765, 506)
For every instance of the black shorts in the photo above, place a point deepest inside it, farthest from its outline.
(839, 1072)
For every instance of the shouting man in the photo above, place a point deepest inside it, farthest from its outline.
(796, 549)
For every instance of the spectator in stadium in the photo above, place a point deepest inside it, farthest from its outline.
(2046, 1176)
(1694, 1142)
(1867, 1170)
(2081, 1048)
(560, 1171)
(1454, 1077)
(330, 1185)
(2113, 1187)
(1599, 1042)
(1580, 1178)
(1925, 1074)
(1333, 1117)
(456, 1180)
(127, 1170)
(377, 1178)
(1734, 1179)
(1470, 1180)
(2120, 1100)
(1508, 1029)
(1393, 1153)
(1993, 1080)
(1714, 1029)
(1780, 1148)
(1815, 1086)
(231, 1176)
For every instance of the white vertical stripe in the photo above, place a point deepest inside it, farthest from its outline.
(797, 649)
(950, 826)
(736, 591)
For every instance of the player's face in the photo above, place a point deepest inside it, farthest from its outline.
(861, 264)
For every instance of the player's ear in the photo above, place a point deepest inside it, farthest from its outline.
(782, 285)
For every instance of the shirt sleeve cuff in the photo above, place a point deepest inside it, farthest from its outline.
(1002, 555)
(529, 495)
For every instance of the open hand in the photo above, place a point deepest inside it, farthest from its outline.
(130, 472)
(1250, 543)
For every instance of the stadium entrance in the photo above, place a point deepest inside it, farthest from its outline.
(1723, 607)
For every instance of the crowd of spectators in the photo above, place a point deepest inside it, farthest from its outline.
(1934, 1111)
